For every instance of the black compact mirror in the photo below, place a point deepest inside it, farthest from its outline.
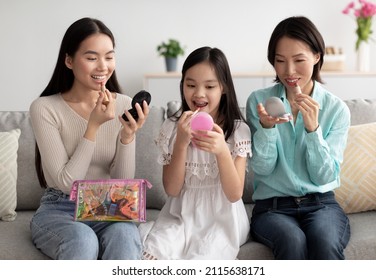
(138, 98)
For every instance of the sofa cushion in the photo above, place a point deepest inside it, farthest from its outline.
(147, 166)
(8, 174)
(358, 170)
(362, 110)
(29, 191)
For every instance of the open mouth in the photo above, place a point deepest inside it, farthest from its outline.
(200, 105)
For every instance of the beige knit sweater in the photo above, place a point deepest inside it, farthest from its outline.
(67, 155)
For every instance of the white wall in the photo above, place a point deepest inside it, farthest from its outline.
(31, 32)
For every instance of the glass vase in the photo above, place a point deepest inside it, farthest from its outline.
(363, 61)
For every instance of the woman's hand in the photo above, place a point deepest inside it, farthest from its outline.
(100, 114)
(103, 113)
(266, 120)
(309, 109)
(131, 126)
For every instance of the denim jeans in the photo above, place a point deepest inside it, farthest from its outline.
(56, 233)
(310, 227)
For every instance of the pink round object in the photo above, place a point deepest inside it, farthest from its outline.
(202, 121)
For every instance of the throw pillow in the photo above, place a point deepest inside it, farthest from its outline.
(358, 170)
(8, 174)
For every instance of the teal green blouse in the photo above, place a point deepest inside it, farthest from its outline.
(288, 161)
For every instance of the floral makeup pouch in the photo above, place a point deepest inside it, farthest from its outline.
(110, 200)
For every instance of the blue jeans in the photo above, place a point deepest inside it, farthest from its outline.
(311, 227)
(56, 233)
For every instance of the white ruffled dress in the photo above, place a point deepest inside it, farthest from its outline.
(200, 223)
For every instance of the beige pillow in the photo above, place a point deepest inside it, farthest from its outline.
(358, 170)
(8, 174)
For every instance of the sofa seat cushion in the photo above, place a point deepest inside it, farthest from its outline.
(362, 244)
(357, 192)
(15, 241)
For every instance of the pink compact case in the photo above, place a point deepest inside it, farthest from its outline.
(202, 121)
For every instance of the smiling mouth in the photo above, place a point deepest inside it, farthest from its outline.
(95, 77)
(292, 82)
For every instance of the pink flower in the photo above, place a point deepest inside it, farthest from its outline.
(368, 9)
(349, 7)
(363, 16)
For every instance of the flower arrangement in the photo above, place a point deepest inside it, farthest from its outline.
(363, 15)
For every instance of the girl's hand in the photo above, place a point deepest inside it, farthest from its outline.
(212, 141)
(266, 120)
(183, 134)
(309, 109)
(131, 126)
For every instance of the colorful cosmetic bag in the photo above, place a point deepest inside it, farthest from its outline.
(110, 200)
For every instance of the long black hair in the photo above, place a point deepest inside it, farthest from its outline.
(300, 28)
(228, 106)
(62, 78)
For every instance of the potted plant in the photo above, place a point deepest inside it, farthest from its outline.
(170, 50)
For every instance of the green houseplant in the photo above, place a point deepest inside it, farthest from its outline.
(170, 50)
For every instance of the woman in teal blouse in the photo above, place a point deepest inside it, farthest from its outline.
(297, 160)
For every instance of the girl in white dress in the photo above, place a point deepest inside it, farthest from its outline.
(203, 173)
